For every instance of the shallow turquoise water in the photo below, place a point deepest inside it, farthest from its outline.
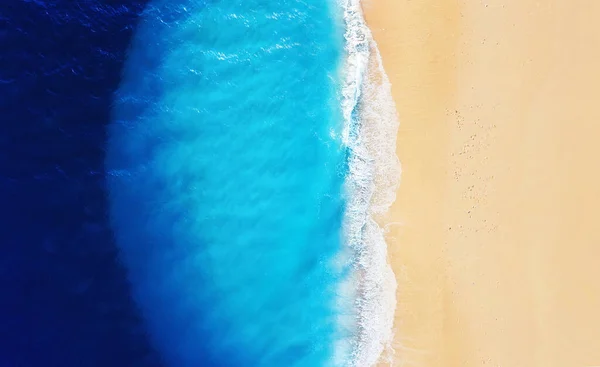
(226, 175)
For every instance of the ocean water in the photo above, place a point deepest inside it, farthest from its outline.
(226, 169)
(193, 183)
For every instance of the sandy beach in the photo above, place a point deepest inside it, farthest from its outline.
(494, 236)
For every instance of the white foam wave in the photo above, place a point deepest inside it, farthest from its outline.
(374, 171)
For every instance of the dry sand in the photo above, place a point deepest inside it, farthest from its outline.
(498, 252)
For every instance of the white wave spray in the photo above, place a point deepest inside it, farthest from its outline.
(369, 133)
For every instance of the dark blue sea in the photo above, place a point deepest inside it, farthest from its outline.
(65, 300)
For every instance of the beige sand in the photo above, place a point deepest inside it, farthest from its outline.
(498, 254)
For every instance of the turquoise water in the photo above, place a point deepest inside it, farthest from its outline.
(226, 176)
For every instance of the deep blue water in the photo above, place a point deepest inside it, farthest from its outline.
(226, 180)
(228, 204)
(64, 297)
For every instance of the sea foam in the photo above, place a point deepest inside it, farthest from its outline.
(370, 131)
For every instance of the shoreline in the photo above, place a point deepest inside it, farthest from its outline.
(370, 128)
(492, 236)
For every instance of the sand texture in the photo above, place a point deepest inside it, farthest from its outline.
(495, 234)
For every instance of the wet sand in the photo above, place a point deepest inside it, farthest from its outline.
(495, 234)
